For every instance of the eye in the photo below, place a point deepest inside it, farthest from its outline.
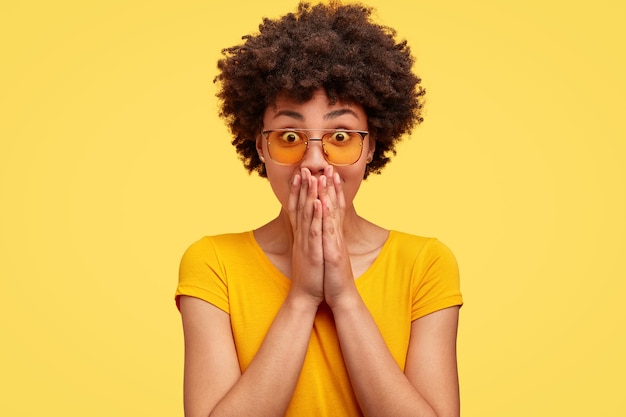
(291, 137)
(340, 137)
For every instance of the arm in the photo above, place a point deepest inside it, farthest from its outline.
(429, 385)
(213, 382)
(214, 385)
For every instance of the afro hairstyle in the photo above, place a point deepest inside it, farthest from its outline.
(336, 47)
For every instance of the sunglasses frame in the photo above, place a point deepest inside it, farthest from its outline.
(362, 133)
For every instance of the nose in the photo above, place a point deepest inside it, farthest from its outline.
(314, 158)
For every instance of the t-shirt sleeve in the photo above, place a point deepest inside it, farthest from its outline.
(202, 275)
(437, 284)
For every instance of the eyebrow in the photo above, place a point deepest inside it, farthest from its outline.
(289, 113)
(332, 115)
(340, 112)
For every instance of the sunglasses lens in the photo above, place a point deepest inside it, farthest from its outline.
(342, 148)
(286, 147)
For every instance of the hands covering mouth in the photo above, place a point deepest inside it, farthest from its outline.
(321, 268)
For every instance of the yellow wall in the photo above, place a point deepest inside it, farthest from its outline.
(112, 161)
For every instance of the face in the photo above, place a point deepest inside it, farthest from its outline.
(317, 116)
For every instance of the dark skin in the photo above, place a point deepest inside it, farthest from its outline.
(322, 244)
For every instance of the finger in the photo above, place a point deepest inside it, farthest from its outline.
(329, 223)
(305, 176)
(332, 193)
(292, 202)
(306, 214)
(316, 231)
(311, 221)
(323, 193)
(313, 188)
(312, 194)
(340, 201)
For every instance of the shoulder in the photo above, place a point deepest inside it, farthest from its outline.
(216, 244)
(431, 262)
(222, 240)
(419, 247)
(214, 253)
(434, 273)
(203, 268)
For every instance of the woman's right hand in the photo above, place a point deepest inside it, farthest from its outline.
(305, 214)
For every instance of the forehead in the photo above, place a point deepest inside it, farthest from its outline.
(318, 95)
(319, 105)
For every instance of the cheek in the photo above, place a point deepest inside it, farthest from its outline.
(280, 179)
(351, 181)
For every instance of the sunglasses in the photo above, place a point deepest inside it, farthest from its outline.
(340, 147)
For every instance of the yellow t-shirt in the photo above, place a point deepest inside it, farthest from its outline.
(411, 277)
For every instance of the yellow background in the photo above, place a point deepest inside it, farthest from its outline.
(112, 161)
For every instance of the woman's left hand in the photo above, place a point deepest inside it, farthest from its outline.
(338, 277)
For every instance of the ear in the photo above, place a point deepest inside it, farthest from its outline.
(259, 147)
(370, 151)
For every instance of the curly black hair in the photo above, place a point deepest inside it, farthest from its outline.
(332, 46)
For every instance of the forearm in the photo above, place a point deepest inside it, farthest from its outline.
(267, 385)
(380, 385)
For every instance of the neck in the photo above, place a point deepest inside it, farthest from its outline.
(278, 233)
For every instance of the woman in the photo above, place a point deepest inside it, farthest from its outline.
(319, 312)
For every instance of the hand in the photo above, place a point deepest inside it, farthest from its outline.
(338, 277)
(305, 214)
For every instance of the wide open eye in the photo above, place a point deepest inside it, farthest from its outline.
(341, 138)
(291, 138)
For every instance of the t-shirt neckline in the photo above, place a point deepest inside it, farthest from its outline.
(283, 278)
